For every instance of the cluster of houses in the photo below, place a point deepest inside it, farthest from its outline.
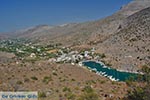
(74, 57)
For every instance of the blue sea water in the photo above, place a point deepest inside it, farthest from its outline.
(109, 72)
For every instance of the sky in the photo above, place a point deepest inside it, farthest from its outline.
(20, 14)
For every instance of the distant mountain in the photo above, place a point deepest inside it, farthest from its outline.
(92, 32)
(3, 36)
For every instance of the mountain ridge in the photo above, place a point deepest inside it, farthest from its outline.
(91, 32)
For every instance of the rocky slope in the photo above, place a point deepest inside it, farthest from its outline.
(130, 47)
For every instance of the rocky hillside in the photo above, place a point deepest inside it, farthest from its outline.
(130, 47)
(136, 27)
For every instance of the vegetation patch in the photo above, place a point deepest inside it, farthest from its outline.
(34, 78)
(47, 79)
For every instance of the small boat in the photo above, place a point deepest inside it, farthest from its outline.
(105, 75)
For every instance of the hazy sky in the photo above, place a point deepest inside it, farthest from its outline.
(18, 14)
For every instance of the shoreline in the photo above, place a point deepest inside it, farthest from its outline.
(101, 63)
(100, 73)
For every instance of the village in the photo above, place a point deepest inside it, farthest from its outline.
(25, 50)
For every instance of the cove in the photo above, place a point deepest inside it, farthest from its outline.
(110, 73)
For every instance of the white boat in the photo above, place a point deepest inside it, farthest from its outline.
(80, 64)
(113, 79)
(98, 73)
(105, 75)
(94, 69)
(110, 77)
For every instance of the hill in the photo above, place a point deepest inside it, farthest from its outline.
(129, 48)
